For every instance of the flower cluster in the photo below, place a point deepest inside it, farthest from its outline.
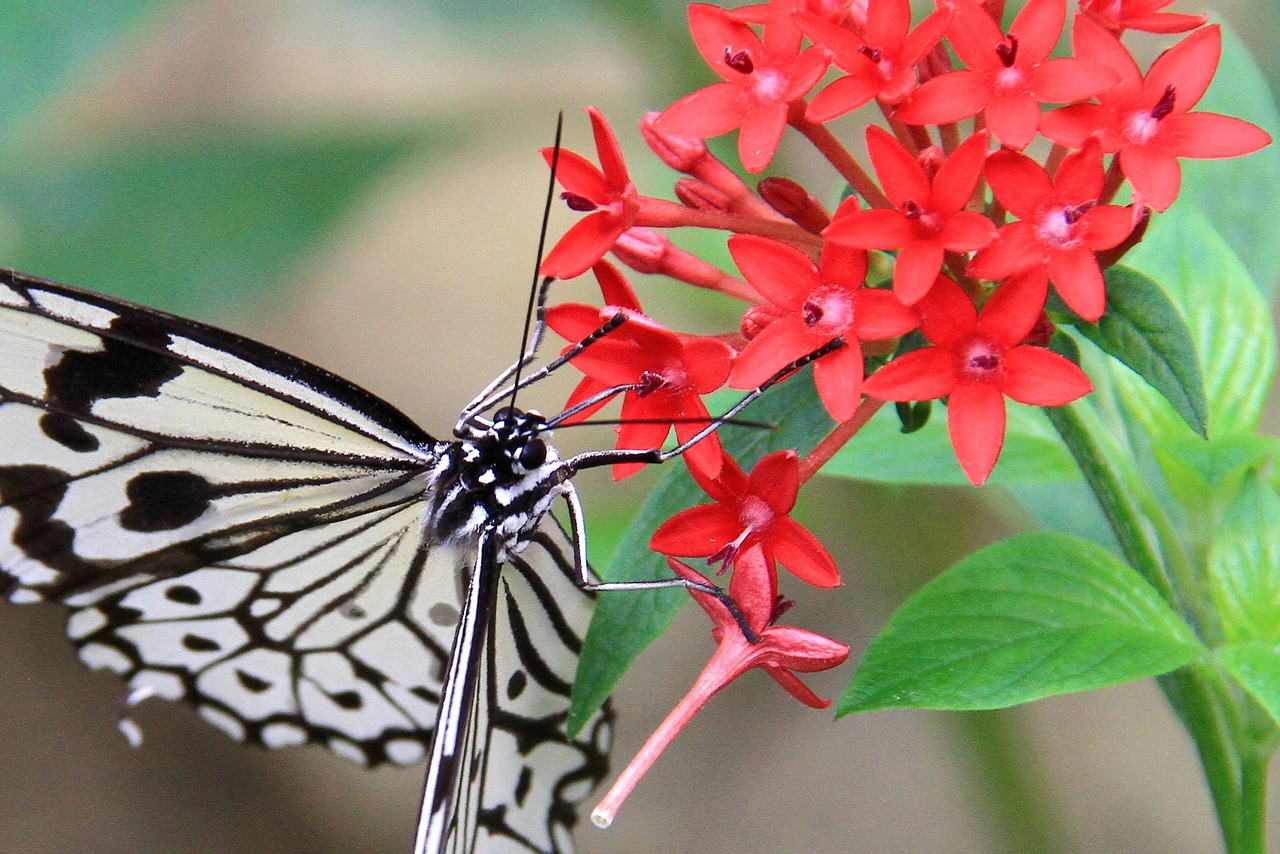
(931, 279)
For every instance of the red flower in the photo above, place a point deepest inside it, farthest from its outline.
(749, 511)
(661, 374)
(816, 304)
(881, 65)
(1148, 121)
(777, 650)
(607, 191)
(928, 216)
(1121, 15)
(977, 360)
(1060, 225)
(1007, 77)
(762, 79)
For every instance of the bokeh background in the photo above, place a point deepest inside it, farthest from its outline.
(358, 183)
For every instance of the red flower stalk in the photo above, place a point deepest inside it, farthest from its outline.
(1007, 76)
(750, 510)
(928, 217)
(1121, 15)
(762, 78)
(815, 304)
(1060, 226)
(664, 374)
(1148, 120)
(977, 360)
(778, 650)
(881, 63)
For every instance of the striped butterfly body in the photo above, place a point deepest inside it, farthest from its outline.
(237, 528)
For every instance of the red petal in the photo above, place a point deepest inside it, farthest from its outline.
(805, 651)
(1038, 27)
(697, 532)
(925, 36)
(801, 554)
(582, 245)
(957, 177)
(1209, 135)
(948, 316)
(585, 389)
(919, 375)
(899, 172)
(1079, 282)
(1041, 377)
(715, 34)
(707, 361)
(975, 421)
(874, 229)
(1013, 308)
(805, 73)
(793, 686)
(948, 98)
(1079, 177)
(776, 480)
(1104, 227)
(707, 455)
(1153, 172)
(780, 273)
(967, 231)
(887, 26)
(974, 35)
(842, 265)
(838, 377)
(1063, 80)
(715, 609)
(842, 96)
(1019, 183)
(614, 287)
(615, 169)
(760, 134)
(580, 176)
(1164, 22)
(711, 111)
(1016, 248)
(573, 321)
(1188, 66)
(778, 345)
(1013, 119)
(917, 266)
(1071, 126)
(1095, 44)
(842, 45)
(878, 314)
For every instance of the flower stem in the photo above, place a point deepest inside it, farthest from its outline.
(836, 439)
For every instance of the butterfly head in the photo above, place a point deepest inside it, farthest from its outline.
(522, 438)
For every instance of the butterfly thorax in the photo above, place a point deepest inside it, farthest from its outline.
(501, 477)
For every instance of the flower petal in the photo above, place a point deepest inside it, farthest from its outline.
(1079, 281)
(609, 152)
(967, 231)
(957, 177)
(1066, 79)
(1014, 307)
(1153, 172)
(801, 554)
(776, 481)
(878, 314)
(918, 265)
(975, 422)
(880, 228)
(1037, 28)
(710, 111)
(697, 532)
(579, 176)
(1188, 67)
(1016, 248)
(760, 134)
(778, 345)
(947, 98)
(838, 377)
(919, 375)
(1209, 135)
(585, 243)
(707, 361)
(1020, 183)
(1040, 377)
(715, 34)
(1013, 119)
(843, 95)
(898, 170)
(780, 273)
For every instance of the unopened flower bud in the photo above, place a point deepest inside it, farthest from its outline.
(681, 153)
(795, 203)
(700, 195)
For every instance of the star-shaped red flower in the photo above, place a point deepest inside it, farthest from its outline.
(763, 77)
(1149, 120)
(750, 510)
(662, 374)
(815, 305)
(1060, 226)
(1006, 77)
(976, 361)
(928, 217)
(880, 63)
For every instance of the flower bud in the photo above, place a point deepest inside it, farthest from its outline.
(681, 153)
(795, 203)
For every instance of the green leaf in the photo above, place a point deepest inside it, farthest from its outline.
(1026, 618)
(1229, 321)
(1256, 666)
(1216, 186)
(1198, 472)
(1144, 330)
(881, 452)
(183, 226)
(626, 622)
(1244, 564)
(47, 43)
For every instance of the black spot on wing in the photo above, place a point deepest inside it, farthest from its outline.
(165, 500)
(183, 594)
(196, 643)
(68, 432)
(516, 684)
(119, 369)
(256, 684)
(522, 785)
(349, 700)
(35, 493)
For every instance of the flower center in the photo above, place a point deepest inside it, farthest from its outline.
(1007, 50)
(1141, 126)
(828, 310)
(581, 204)
(871, 53)
(755, 513)
(649, 382)
(768, 85)
(980, 361)
(925, 222)
(739, 61)
(1164, 106)
(1056, 226)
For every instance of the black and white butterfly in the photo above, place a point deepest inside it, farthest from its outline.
(232, 526)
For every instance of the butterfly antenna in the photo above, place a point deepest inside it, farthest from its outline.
(542, 244)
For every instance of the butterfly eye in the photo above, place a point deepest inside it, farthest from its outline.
(533, 454)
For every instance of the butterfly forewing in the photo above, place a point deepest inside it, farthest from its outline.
(235, 527)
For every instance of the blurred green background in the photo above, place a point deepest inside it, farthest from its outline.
(358, 183)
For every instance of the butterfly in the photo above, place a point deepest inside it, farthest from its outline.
(234, 527)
